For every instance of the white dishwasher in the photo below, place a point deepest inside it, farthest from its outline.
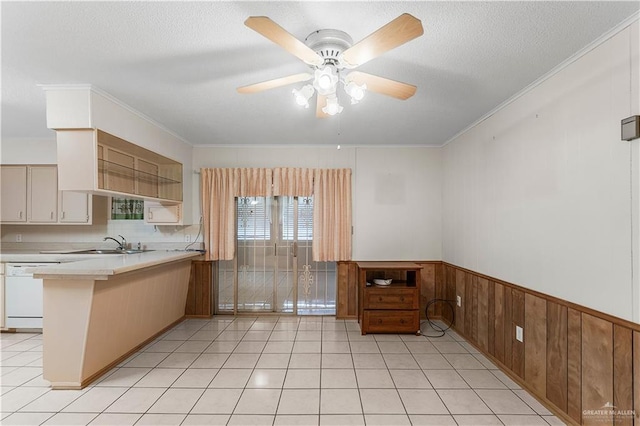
(23, 296)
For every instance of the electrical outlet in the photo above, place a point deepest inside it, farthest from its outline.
(187, 238)
(18, 238)
(519, 334)
(458, 300)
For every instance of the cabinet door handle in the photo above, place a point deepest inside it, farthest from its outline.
(20, 214)
(150, 215)
(51, 215)
(62, 215)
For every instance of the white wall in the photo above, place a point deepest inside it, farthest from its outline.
(29, 151)
(396, 192)
(398, 204)
(541, 194)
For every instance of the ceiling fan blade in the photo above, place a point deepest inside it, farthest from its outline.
(271, 84)
(280, 36)
(396, 33)
(322, 101)
(383, 85)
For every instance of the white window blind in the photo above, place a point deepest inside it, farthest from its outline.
(305, 218)
(253, 219)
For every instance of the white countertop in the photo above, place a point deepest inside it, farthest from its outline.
(99, 267)
(33, 256)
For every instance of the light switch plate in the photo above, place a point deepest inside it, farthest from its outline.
(519, 334)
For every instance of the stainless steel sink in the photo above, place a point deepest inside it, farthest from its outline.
(134, 251)
(112, 251)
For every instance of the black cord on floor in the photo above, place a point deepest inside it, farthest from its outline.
(438, 328)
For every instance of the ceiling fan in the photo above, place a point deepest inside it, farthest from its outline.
(331, 54)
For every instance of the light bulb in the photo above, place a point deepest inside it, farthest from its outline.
(355, 91)
(303, 95)
(325, 80)
(332, 107)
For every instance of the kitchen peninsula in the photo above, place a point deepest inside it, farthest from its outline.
(98, 311)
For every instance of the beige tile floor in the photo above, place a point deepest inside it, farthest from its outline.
(274, 371)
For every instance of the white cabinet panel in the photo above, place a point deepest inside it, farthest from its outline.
(43, 198)
(14, 194)
(162, 214)
(75, 207)
(30, 195)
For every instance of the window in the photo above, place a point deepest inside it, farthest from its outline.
(254, 218)
(254, 222)
(305, 218)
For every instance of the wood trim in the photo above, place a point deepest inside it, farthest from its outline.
(573, 358)
(517, 312)
(347, 291)
(574, 365)
(199, 296)
(636, 376)
(622, 373)
(613, 319)
(460, 284)
(491, 319)
(498, 322)
(483, 314)
(557, 348)
(597, 367)
(535, 344)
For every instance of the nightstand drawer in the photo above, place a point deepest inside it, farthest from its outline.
(391, 321)
(390, 298)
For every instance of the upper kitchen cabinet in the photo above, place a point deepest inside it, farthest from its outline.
(30, 196)
(13, 182)
(95, 161)
(106, 147)
(43, 194)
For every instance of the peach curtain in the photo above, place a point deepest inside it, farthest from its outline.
(331, 190)
(293, 182)
(331, 215)
(255, 182)
(218, 190)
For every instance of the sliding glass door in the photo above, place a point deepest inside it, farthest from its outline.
(273, 270)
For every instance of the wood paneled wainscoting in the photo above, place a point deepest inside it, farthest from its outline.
(579, 362)
(200, 296)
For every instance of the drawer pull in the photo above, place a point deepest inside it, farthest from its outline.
(401, 321)
(402, 299)
(379, 320)
(380, 299)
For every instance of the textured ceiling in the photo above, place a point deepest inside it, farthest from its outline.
(180, 63)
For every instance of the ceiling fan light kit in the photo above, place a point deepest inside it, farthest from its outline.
(330, 53)
(303, 95)
(332, 107)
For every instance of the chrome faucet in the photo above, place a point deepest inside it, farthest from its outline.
(122, 245)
